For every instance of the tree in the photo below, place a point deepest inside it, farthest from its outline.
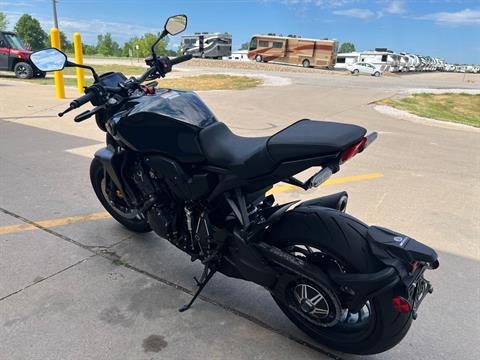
(88, 49)
(347, 47)
(66, 45)
(144, 44)
(29, 29)
(107, 46)
(3, 21)
(245, 46)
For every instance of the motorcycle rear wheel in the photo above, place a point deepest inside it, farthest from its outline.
(382, 329)
(137, 224)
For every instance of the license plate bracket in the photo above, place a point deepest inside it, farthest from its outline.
(418, 290)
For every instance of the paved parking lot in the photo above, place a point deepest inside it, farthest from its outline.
(75, 285)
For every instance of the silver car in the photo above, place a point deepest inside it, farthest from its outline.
(364, 68)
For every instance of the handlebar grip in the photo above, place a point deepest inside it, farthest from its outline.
(181, 59)
(82, 100)
(83, 116)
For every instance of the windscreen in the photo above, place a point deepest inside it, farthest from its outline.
(15, 42)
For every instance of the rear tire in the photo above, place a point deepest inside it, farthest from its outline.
(40, 75)
(376, 74)
(310, 226)
(139, 225)
(306, 63)
(23, 70)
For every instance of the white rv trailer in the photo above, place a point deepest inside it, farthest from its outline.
(404, 63)
(384, 59)
(413, 62)
(450, 67)
(239, 55)
(345, 59)
(207, 45)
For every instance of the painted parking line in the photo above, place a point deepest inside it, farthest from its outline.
(9, 229)
(53, 223)
(335, 181)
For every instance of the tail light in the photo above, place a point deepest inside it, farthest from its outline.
(401, 305)
(354, 150)
(358, 147)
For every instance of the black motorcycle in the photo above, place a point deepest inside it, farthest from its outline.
(170, 166)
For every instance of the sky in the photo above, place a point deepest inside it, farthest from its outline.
(448, 29)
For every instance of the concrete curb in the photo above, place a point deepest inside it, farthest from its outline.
(404, 115)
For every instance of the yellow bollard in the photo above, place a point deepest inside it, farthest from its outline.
(59, 86)
(77, 44)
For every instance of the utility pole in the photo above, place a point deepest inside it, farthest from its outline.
(55, 19)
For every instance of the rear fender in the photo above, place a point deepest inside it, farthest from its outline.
(336, 201)
(394, 254)
(400, 251)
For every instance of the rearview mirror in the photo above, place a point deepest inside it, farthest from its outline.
(49, 59)
(176, 24)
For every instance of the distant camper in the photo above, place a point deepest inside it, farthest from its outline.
(207, 45)
(293, 50)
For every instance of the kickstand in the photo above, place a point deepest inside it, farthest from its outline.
(204, 279)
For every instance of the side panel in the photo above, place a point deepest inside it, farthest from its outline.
(4, 54)
(151, 133)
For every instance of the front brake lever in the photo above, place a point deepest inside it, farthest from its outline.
(70, 108)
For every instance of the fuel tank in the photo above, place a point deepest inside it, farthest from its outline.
(167, 122)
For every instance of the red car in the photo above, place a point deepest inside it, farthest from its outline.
(14, 56)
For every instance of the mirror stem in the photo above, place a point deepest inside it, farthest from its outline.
(162, 35)
(72, 64)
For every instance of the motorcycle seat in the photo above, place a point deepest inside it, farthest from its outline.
(255, 156)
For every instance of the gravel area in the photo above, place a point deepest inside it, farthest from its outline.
(251, 65)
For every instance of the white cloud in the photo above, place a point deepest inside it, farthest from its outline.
(320, 3)
(356, 13)
(463, 17)
(14, 3)
(396, 7)
(89, 29)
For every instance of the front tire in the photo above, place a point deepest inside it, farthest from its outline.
(258, 58)
(138, 224)
(306, 63)
(318, 228)
(23, 70)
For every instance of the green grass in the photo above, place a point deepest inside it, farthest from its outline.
(201, 82)
(458, 108)
(211, 82)
(100, 69)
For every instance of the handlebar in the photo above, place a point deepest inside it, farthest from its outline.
(159, 68)
(181, 59)
(82, 100)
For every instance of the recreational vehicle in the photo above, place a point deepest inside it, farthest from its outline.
(207, 45)
(293, 50)
(239, 55)
(346, 59)
(384, 59)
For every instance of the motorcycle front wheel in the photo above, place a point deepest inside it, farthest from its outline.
(115, 206)
(377, 327)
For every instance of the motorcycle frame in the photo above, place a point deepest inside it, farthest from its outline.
(246, 255)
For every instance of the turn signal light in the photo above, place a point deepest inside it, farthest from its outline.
(354, 150)
(401, 305)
